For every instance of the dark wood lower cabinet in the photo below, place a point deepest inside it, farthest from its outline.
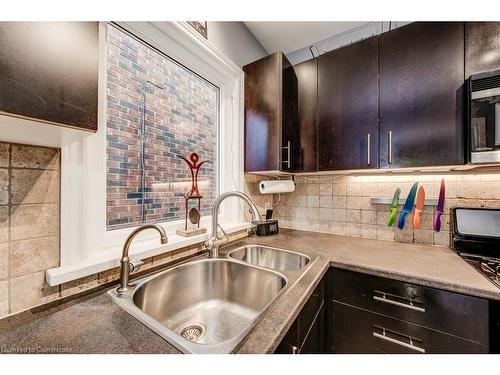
(355, 313)
(307, 333)
(389, 335)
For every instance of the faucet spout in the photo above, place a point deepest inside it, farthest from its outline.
(213, 243)
(126, 267)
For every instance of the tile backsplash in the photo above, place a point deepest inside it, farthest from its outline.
(340, 204)
(29, 225)
(29, 231)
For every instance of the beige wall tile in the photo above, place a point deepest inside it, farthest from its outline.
(313, 201)
(385, 233)
(4, 224)
(77, 286)
(442, 238)
(37, 254)
(29, 291)
(325, 214)
(382, 217)
(369, 217)
(353, 216)
(369, 231)
(339, 188)
(301, 189)
(367, 205)
(313, 213)
(353, 203)
(4, 260)
(339, 214)
(34, 157)
(4, 298)
(325, 189)
(339, 201)
(34, 220)
(354, 189)
(4, 186)
(4, 154)
(339, 228)
(301, 201)
(326, 201)
(312, 189)
(353, 229)
(424, 236)
(405, 235)
(34, 186)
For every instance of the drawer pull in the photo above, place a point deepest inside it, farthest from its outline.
(384, 297)
(410, 344)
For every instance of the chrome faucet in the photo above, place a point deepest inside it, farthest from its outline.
(214, 242)
(127, 267)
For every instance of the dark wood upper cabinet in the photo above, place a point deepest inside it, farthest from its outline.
(482, 47)
(421, 95)
(268, 82)
(49, 72)
(348, 107)
(304, 136)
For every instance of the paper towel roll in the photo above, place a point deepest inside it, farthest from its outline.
(276, 186)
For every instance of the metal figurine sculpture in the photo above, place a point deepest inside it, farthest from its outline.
(194, 165)
(193, 214)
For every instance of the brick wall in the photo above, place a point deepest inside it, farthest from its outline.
(181, 117)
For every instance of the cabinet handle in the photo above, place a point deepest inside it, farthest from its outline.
(410, 344)
(295, 350)
(368, 149)
(389, 151)
(385, 299)
(289, 154)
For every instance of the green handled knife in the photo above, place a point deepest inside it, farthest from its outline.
(394, 207)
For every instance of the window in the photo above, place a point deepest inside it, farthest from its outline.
(156, 110)
(89, 244)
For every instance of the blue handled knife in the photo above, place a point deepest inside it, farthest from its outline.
(408, 207)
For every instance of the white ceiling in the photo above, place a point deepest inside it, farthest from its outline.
(291, 36)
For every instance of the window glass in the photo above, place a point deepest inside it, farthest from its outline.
(156, 110)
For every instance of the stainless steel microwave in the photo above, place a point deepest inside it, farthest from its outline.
(484, 117)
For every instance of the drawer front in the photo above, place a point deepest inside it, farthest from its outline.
(395, 336)
(448, 312)
(344, 345)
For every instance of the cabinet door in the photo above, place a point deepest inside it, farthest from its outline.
(267, 103)
(482, 47)
(421, 95)
(348, 107)
(49, 72)
(314, 342)
(304, 155)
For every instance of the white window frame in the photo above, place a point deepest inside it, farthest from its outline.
(87, 247)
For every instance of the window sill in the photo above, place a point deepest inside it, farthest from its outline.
(110, 258)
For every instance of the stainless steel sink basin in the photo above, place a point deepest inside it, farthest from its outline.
(270, 257)
(204, 306)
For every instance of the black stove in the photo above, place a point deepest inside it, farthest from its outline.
(476, 238)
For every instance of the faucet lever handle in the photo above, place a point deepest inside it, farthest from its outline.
(225, 234)
(135, 265)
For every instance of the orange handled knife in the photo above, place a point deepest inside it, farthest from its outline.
(419, 207)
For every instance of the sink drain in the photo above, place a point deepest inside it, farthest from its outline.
(193, 332)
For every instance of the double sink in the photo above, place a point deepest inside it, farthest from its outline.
(210, 305)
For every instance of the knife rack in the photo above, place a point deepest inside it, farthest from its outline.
(385, 200)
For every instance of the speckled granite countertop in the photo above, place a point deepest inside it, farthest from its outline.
(93, 324)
